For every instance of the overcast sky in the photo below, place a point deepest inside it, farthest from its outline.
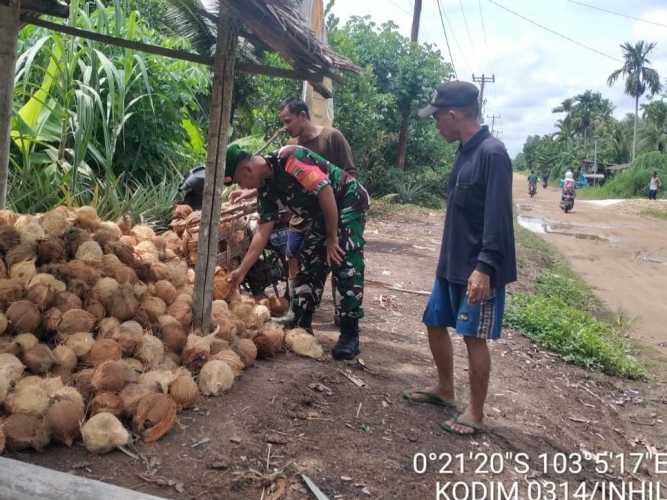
(535, 70)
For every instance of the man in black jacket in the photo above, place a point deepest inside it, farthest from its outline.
(477, 257)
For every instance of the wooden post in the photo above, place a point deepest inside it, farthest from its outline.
(9, 30)
(219, 123)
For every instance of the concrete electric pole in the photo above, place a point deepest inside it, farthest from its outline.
(482, 80)
(493, 121)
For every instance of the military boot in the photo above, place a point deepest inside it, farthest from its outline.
(347, 346)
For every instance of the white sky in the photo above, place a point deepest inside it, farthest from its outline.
(535, 70)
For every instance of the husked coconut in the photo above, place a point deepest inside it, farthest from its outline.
(54, 222)
(111, 228)
(86, 218)
(104, 289)
(82, 271)
(150, 351)
(215, 377)
(104, 350)
(265, 346)
(276, 335)
(247, 351)
(52, 385)
(11, 367)
(26, 341)
(184, 390)
(23, 271)
(30, 400)
(155, 416)
(95, 307)
(303, 343)
(39, 359)
(3, 441)
(23, 316)
(63, 420)
(104, 432)
(160, 271)
(232, 359)
(154, 307)
(107, 327)
(184, 297)
(8, 345)
(43, 296)
(66, 301)
(244, 312)
(130, 396)
(82, 381)
(143, 232)
(76, 320)
(110, 376)
(260, 315)
(123, 303)
(65, 357)
(181, 311)
(11, 290)
(140, 290)
(23, 432)
(48, 280)
(166, 291)
(31, 232)
(107, 402)
(129, 336)
(217, 344)
(50, 250)
(148, 252)
(28, 382)
(221, 287)
(136, 368)
(157, 380)
(5, 387)
(81, 343)
(172, 333)
(70, 394)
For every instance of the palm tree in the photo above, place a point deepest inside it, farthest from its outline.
(639, 77)
(654, 125)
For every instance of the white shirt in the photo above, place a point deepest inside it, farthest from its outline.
(653, 184)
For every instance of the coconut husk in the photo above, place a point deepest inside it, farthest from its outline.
(52, 385)
(303, 343)
(104, 289)
(82, 381)
(166, 291)
(141, 290)
(147, 252)
(108, 327)
(172, 333)
(80, 270)
(184, 390)
(215, 377)
(265, 346)
(9, 237)
(76, 320)
(182, 211)
(54, 222)
(103, 433)
(21, 253)
(104, 350)
(43, 296)
(155, 416)
(130, 396)
(28, 382)
(29, 400)
(185, 297)
(95, 308)
(276, 335)
(181, 311)
(65, 357)
(23, 316)
(129, 336)
(154, 307)
(90, 252)
(81, 343)
(221, 287)
(51, 319)
(11, 291)
(157, 380)
(11, 367)
(31, 231)
(48, 280)
(66, 301)
(3, 441)
(39, 359)
(63, 373)
(50, 250)
(110, 376)
(218, 345)
(111, 228)
(160, 271)
(70, 394)
(124, 253)
(63, 420)
(150, 351)
(79, 288)
(23, 432)
(123, 304)
(232, 359)
(106, 235)
(107, 402)
(26, 341)
(23, 271)
(143, 232)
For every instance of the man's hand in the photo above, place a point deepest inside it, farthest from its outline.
(335, 253)
(241, 194)
(235, 278)
(479, 286)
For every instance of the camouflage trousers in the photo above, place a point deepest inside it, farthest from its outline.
(349, 275)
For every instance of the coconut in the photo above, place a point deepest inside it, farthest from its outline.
(26, 341)
(108, 327)
(81, 343)
(65, 357)
(54, 222)
(76, 320)
(3, 323)
(217, 345)
(184, 296)
(68, 394)
(232, 359)
(25, 431)
(129, 336)
(23, 272)
(148, 252)
(155, 416)
(150, 351)
(135, 367)
(303, 343)
(27, 382)
(63, 420)
(73, 238)
(86, 218)
(11, 290)
(31, 232)
(3, 269)
(52, 319)
(278, 306)
(260, 315)
(128, 239)
(221, 287)
(247, 351)
(43, 296)
(110, 376)
(172, 333)
(3, 441)
(67, 300)
(39, 359)
(90, 252)
(140, 290)
(107, 402)
(8, 345)
(28, 399)
(130, 396)
(104, 350)
(111, 228)
(104, 289)
(123, 253)
(23, 316)
(265, 346)
(123, 304)
(157, 380)
(80, 270)
(82, 381)
(276, 335)
(52, 385)
(181, 311)
(143, 232)
(79, 288)
(48, 280)
(166, 291)
(168, 363)
(96, 308)
(5, 386)
(104, 432)
(9, 237)
(154, 307)
(244, 312)
(104, 236)
(215, 377)
(226, 328)
(50, 250)
(11, 367)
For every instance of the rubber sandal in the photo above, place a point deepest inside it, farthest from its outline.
(429, 398)
(476, 429)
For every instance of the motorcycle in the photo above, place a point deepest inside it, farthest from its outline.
(567, 202)
(532, 189)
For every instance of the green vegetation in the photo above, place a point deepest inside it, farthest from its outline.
(560, 315)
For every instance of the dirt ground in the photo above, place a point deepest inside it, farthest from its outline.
(292, 415)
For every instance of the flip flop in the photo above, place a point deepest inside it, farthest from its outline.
(476, 429)
(429, 398)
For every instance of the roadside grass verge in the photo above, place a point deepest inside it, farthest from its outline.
(561, 314)
(388, 205)
(655, 213)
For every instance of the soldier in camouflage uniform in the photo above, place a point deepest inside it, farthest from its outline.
(336, 203)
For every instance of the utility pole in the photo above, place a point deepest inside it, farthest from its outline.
(482, 80)
(493, 121)
(403, 132)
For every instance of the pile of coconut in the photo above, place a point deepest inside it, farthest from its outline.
(95, 332)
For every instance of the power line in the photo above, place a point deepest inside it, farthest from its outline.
(444, 31)
(456, 40)
(465, 21)
(481, 18)
(618, 14)
(553, 32)
(398, 6)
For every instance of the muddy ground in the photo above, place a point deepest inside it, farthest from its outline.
(292, 415)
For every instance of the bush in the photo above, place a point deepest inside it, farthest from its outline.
(633, 181)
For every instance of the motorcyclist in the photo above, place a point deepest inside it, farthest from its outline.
(569, 186)
(532, 183)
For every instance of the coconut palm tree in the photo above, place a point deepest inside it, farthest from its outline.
(639, 77)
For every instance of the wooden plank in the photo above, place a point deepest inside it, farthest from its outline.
(9, 28)
(23, 481)
(218, 131)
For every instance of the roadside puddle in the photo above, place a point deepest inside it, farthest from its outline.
(539, 226)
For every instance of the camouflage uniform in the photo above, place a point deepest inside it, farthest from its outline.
(296, 183)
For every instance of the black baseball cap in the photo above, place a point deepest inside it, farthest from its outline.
(447, 95)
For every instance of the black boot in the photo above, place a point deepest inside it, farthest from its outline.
(347, 346)
(302, 319)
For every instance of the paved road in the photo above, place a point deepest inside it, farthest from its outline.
(622, 254)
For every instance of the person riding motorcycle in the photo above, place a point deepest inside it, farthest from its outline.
(532, 183)
(568, 192)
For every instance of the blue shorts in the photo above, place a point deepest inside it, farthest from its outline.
(449, 307)
(294, 242)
